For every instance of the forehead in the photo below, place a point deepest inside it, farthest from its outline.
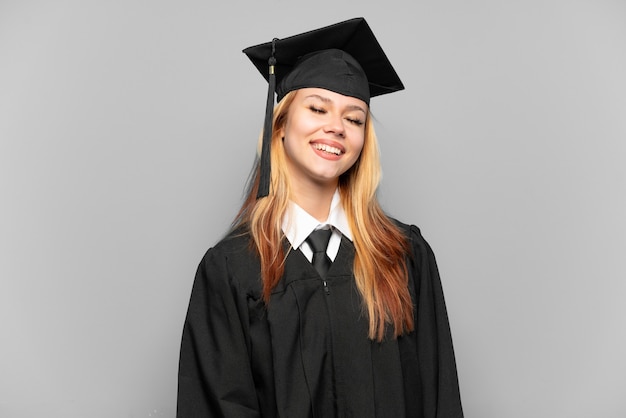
(330, 97)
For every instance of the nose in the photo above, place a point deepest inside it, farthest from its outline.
(335, 125)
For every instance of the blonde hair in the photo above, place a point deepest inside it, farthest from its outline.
(381, 249)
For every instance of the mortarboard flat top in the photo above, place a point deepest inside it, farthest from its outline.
(353, 37)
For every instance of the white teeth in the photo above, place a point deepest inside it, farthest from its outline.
(327, 148)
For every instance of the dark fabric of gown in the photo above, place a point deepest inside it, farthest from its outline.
(306, 353)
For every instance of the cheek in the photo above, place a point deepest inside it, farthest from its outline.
(302, 125)
(287, 138)
(357, 147)
(358, 143)
(292, 148)
(361, 144)
(286, 144)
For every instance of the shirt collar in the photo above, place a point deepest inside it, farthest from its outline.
(298, 224)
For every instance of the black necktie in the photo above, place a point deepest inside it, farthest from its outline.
(318, 240)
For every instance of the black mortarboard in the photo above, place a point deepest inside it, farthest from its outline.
(345, 58)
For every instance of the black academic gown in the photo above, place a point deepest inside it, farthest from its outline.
(306, 353)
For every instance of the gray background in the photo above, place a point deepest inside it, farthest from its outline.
(128, 128)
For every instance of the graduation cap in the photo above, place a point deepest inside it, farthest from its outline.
(344, 58)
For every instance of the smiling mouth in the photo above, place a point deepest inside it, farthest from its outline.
(328, 149)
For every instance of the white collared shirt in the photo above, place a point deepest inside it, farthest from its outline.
(298, 224)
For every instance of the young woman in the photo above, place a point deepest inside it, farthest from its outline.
(317, 304)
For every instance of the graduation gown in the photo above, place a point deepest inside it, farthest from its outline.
(306, 353)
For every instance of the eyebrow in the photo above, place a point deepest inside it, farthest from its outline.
(327, 100)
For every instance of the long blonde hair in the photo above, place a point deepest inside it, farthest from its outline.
(381, 249)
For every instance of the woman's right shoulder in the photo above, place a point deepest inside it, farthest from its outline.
(236, 244)
(233, 260)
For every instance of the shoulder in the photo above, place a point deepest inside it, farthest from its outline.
(236, 244)
(421, 261)
(233, 259)
(420, 250)
(412, 233)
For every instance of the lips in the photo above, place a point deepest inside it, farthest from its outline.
(327, 148)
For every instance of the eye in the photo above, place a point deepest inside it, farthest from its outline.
(318, 110)
(355, 121)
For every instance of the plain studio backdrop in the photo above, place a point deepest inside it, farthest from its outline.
(128, 129)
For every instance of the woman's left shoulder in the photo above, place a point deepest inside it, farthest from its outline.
(411, 231)
(420, 251)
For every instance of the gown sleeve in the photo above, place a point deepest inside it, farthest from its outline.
(214, 377)
(441, 397)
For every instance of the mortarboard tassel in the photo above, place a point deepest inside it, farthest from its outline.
(265, 177)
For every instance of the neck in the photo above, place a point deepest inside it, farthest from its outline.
(316, 201)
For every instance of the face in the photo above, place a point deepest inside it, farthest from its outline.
(323, 136)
